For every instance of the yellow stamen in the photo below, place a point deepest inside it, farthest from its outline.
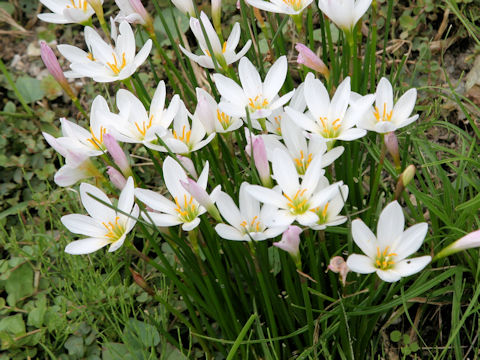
(114, 67)
(384, 260)
(384, 116)
(96, 142)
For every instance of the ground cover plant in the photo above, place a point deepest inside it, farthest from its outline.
(285, 179)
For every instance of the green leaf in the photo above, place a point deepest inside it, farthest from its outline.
(74, 345)
(36, 316)
(395, 336)
(414, 347)
(139, 332)
(13, 325)
(19, 284)
(29, 88)
(115, 351)
(171, 16)
(406, 339)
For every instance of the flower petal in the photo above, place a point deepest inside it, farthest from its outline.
(409, 267)
(410, 241)
(364, 238)
(85, 246)
(390, 225)
(360, 264)
(229, 232)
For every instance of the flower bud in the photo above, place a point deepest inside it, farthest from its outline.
(204, 111)
(217, 15)
(116, 177)
(404, 180)
(51, 62)
(469, 241)
(185, 6)
(308, 58)
(188, 164)
(140, 281)
(391, 143)
(261, 161)
(117, 154)
(201, 195)
(290, 243)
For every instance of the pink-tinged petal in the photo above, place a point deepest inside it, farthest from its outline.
(316, 96)
(389, 275)
(96, 209)
(410, 241)
(360, 264)
(86, 246)
(390, 224)
(249, 78)
(229, 232)
(275, 78)
(412, 266)
(364, 238)
(290, 240)
(83, 224)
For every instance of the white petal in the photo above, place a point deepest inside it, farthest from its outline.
(389, 275)
(409, 267)
(250, 78)
(191, 225)
(364, 238)
(249, 206)
(410, 241)
(229, 210)
(404, 106)
(161, 220)
(360, 264)
(390, 225)
(82, 224)
(229, 89)
(275, 78)
(85, 246)
(228, 232)
(94, 208)
(285, 172)
(384, 96)
(316, 96)
(340, 101)
(267, 196)
(126, 199)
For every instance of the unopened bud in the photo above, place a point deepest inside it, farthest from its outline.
(117, 154)
(308, 58)
(188, 165)
(290, 243)
(404, 180)
(216, 15)
(391, 143)
(140, 281)
(261, 161)
(51, 62)
(201, 195)
(116, 177)
(469, 241)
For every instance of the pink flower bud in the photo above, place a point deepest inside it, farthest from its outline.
(188, 164)
(290, 243)
(117, 154)
(51, 62)
(138, 7)
(261, 161)
(201, 195)
(308, 58)
(116, 177)
(391, 143)
(339, 266)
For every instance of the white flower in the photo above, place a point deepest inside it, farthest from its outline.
(136, 125)
(247, 222)
(133, 15)
(331, 120)
(224, 54)
(344, 13)
(67, 11)
(386, 253)
(289, 7)
(260, 98)
(104, 226)
(211, 117)
(328, 211)
(185, 6)
(184, 209)
(103, 63)
(298, 201)
(185, 138)
(386, 117)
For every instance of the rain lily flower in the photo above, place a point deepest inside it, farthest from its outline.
(290, 243)
(308, 58)
(133, 12)
(103, 63)
(89, 142)
(331, 120)
(288, 7)
(386, 254)
(468, 241)
(344, 13)
(104, 226)
(224, 54)
(77, 166)
(298, 201)
(328, 211)
(386, 117)
(260, 98)
(185, 138)
(211, 117)
(248, 222)
(184, 209)
(67, 11)
(136, 125)
(185, 6)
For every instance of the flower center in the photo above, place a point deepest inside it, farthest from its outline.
(82, 4)
(185, 137)
(302, 162)
(224, 119)
(297, 204)
(254, 226)
(384, 116)
(114, 230)
(384, 260)
(295, 4)
(144, 126)
(115, 67)
(276, 123)
(224, 48)
(90, 56)
(96, 142)
(187, 211)
(330, 130)
(321, 213)
(257, 103)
